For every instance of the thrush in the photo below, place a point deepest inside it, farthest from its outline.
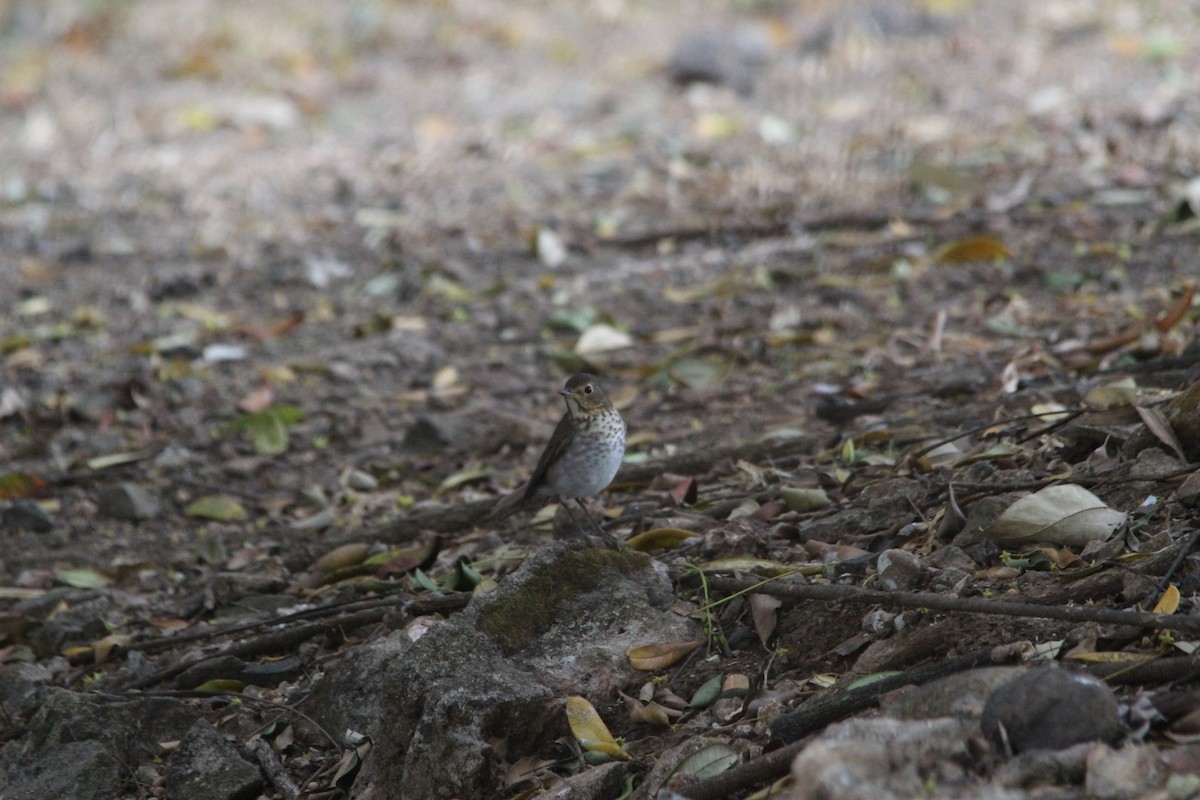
(582, 457)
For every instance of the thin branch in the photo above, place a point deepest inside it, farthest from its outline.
(967, 605)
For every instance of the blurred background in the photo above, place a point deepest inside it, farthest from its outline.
(216, 128)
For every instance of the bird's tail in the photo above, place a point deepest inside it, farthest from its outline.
(509, 504)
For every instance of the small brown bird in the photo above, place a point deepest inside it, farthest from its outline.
(582, 457)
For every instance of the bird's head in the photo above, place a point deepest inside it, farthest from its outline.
(584, 395)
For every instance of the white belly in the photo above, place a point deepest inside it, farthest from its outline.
(585, 471)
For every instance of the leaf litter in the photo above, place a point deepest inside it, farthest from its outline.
(752, 283)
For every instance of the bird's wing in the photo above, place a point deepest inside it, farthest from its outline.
(559, 441)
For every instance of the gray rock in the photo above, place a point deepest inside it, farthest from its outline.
(76, 769)
(731, 56)
(73, 739)
(346, 696)
(886, 759)
(488, 686)
(361, 481)
(1050, 708)
(25, 515)
(1131, 771)
(1066, 767)
(961, 695)
(900, 569)
(207, 767)
(74, 617)
(127, 501)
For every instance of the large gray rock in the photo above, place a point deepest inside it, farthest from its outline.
(74, 738)
(888, 759)
(488, 686)
(80, 770)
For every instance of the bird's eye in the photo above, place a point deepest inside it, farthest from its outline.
(587, 389)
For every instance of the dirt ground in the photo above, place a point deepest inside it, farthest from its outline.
(298, 275)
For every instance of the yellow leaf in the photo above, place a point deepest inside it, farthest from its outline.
(218, 507)
(973, 248)
(103, 648)
(590, 731)
(659, 539)
(659, 655)
(1169, 602)
(220, 685)
(717, 126)
(347, 555)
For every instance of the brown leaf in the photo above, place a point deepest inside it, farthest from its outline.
(21, 485)
(659, 539)
(973, 248)
(272, 330)
(341, 557)
(762, 610)
(1169, 319)
(683, 493)
(258, 400)
(650, 657)
(1156, 422)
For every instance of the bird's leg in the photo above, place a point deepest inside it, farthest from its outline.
(608, 537)
(579, 531)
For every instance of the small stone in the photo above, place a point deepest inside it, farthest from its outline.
(900, 569)
(174, 456)
(127, 501)
(361, 481)
(26, 515)
(733, 57)
(1188, 494)
(1050, 708)
(879, 623)
(1131, 771)
(207, 767)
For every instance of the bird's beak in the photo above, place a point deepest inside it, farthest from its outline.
(565, 392)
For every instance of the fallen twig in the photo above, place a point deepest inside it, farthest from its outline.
(968, 605)
(272, 767)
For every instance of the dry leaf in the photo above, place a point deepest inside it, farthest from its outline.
(601, 338)
(712, 760)
(650, 657)
(258, 400)
(1111, 395)
(590, 731)
(659, 539)
(104, 647)
(1156, 422)
(347, 555)
(217, 507)
(1065, 514)
(803, 500)
(1169, 602)
(973, 248)
(762, 610)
